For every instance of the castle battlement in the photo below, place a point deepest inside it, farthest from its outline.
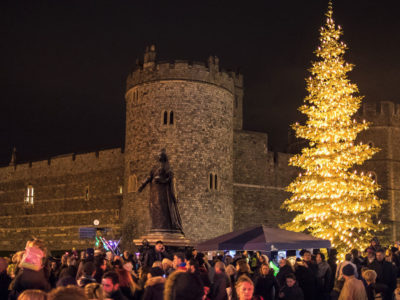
(67, 163)
(383, 113)
(151, 70)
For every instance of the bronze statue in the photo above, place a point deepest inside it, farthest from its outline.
(164, 212)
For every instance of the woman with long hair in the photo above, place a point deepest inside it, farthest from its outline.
(128, 287)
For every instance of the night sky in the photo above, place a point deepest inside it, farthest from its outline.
(64, 62)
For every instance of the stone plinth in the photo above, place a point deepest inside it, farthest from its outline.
(169, 239)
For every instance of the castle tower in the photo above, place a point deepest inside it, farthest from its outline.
(385, 165)
(188, 109)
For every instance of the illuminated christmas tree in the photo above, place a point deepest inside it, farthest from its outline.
(332, 200)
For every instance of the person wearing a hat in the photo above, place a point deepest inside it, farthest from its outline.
(353, 288)
(154, 287)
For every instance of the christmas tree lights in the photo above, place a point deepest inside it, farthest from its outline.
(333, 201)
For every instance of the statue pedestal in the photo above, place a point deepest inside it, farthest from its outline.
(168, 238)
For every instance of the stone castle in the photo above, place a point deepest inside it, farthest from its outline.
(226, 178)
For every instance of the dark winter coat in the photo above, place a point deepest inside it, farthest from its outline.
(117, 295)
(324, 278)
(307, 280)
(152, 255)
(218, 287)
(28, 279)
(291, 293)
(370, 290)
(281, 276)
(4, 283)
(154, 288)
(386, 277)
(264, 286)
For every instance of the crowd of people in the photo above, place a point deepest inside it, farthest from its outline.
(157, 274)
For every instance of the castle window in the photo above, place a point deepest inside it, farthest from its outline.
(87, 193)
(29, 195)
(213, 181)
(120, 189)
(165, 118)
(132, 184)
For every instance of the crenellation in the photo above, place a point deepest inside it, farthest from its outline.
(74, 163)
(185, 70)
(383, 113)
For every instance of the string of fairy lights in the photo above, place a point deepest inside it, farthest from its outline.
(332, 200)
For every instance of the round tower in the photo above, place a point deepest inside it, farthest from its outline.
(188, 109)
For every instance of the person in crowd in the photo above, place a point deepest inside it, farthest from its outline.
(154, 287)
(157, 264)
(395, 253)
(32, 295)
(266, 284)
(347, 261)
(110, 283)
(291, 290)
(69, 268)
(101, 267)
(183, 286)
(89, 270)
(127, 285)
(332, 261)
(167, 266)
(220, 283)
(386, 275)
(179, 261)
(228, 260)
(67, 293)
(375, 244)
(157, 253)
(5, 279)
(324, 277)
(89, 256)
(370, 278)
(357, 260)
(285, 268)
(54, 272)
(306, 274)
(245, 289)
(243, 268)
(192, 266)
(94, 291)
(370, 259)
(66, 280)
(353, 288)
(127, 257)
(231, 273)
(32, 274)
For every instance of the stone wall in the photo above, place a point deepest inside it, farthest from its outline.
(260, 178)
(384, 133)
(69, 192)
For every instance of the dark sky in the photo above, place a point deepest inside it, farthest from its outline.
(64, 62)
